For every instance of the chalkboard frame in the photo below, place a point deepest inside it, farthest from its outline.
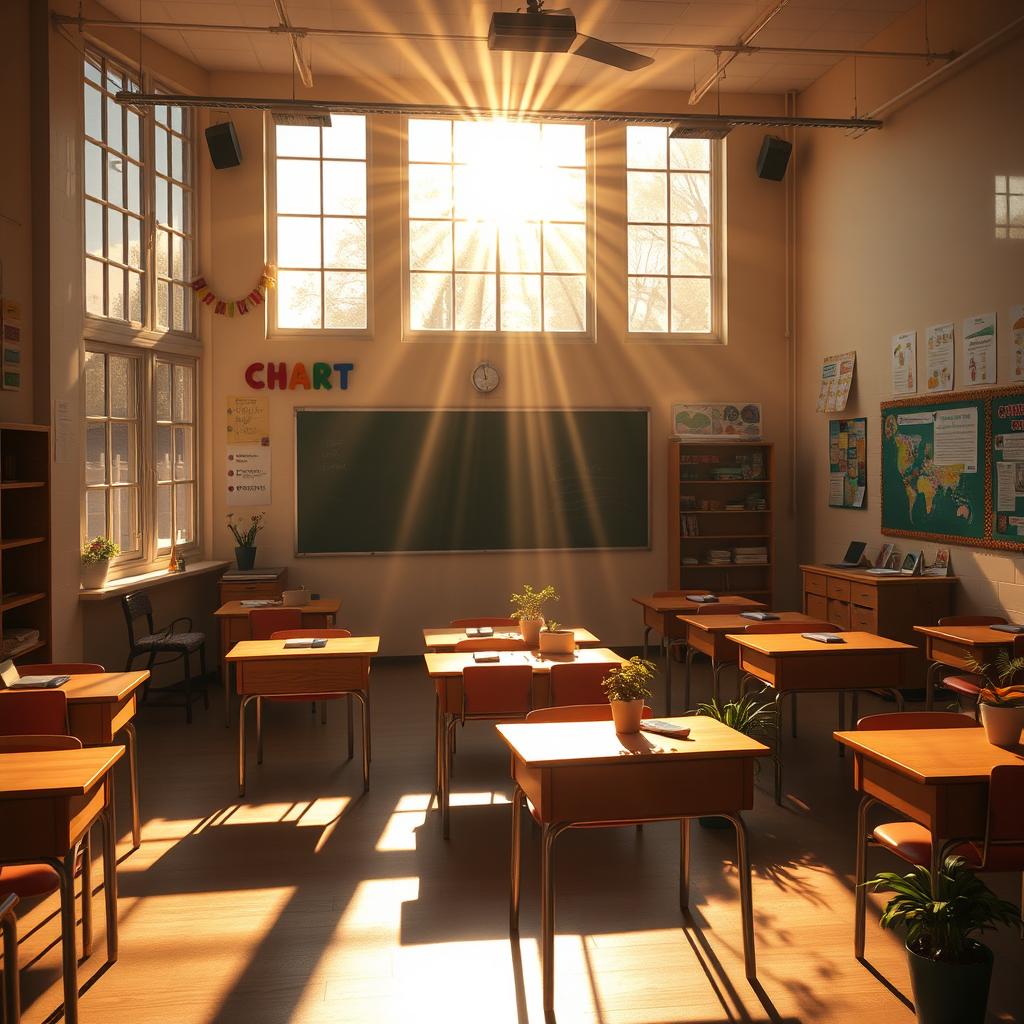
(298, 410)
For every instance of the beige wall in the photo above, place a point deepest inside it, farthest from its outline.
(896, 232)
(398, 594)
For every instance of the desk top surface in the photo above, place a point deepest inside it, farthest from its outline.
(449, 636)
(451, 663)
(976, 636)
(40, 773)
(554, 744)
(336, 647)
(863, 576)
(103, 687)
(679, 603)
(781, 644)
(737, 623)
(321, 606)
(932, 756)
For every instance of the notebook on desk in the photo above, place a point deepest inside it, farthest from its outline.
(10, 679)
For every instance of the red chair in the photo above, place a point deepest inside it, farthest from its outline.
(904, 831)
(968, 684)
(263, 624)
(578, 683)
(33, 712)
(9, 928)
(491, 643)
(486, 620)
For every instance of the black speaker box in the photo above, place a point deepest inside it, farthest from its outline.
(224, 148)
(773, 159)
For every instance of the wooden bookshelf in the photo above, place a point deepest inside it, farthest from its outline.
(699, 521)
(25, 536)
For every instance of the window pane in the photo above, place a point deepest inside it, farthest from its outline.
(135, 298)
(566, 195)
(183, 513)
(344, 242)
(125, 527)
(134, 198)
(184, 393)
(92, 71)
(430, 191)
(115, 293)
(475, 246)
(178, 299)
(115, 179)
(565, 303)
(298, 241)
(177, 156)
(122, 387)
(93, 228)
(163, 311)
(519, 247)
(474, 302)
(565, 248)
(177, 208)
(645, 196)
(93, 170)
(344, 187)
(645, 146)
(691, 198)
(345, 300)
(177, 257)
(160, 151)
(298, 186)
(96, 453)
(346, 137)
(134, 135)
(95, 384)
(93, 113)
(114, 117)
(691, 304)
(122, 453)
(520, 302)
(430, 245)
(565, 144)
(648, 249)
(689, 154)
(648, 304)
(135, 242)
(162, 453)
(94, 287)
(183, 468)
(163, 516)
(161, 201)
(431, 302)
(298, 298)
(162, 391)
(96, 514)
(294, 140)
(691, 250)
(115, 236)
(430, 141)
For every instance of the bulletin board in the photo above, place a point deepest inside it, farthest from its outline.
(848, 463)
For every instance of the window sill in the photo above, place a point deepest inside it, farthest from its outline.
(147, 580)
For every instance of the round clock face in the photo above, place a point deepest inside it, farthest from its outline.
(486, 378)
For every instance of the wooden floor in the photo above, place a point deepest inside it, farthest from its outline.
(309, 902)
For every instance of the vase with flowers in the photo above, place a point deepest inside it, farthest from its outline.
(96, 556)
(245, 537)
(1001, 699)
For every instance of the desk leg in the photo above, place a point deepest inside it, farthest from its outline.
(86, 855)
(668, 678)
(132, 743)
(110, 882)
(259, 729)
(516, 861)
(684, 864)
(364, 704)
(860, 875)
(841, 720)
(241, 745)
(746, 894)
(65, 869)
(687, 677)
(717, 668)
(446, 775)
(350, 709)
(777, 753)
(547, 915)
(647, 636)
(438, 739)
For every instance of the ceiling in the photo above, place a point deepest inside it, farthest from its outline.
(639, 24)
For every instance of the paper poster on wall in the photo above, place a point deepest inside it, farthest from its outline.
(836, 381)
(979, 350)
(1017, 337)
(248, 420)
(248, 474)
(847, 456)
(1008, 460)
(12, 340)
(938, 365)
(904, 363)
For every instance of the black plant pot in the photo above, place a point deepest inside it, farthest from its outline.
(947, 993)
(245, 557)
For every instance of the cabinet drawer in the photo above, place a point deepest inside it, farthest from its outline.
(232, 591)
(814, 583)
(867, 597)
(839, 613)
(816, 606)
(839, 589)
(865, 619)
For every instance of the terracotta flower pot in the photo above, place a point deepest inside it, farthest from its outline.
(94, 575)
(530, 631)
(562, 641)
(627, 715)
(1002, 725)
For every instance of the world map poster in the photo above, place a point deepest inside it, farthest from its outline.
(934, 468)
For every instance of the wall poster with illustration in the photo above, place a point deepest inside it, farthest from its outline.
(848, 466)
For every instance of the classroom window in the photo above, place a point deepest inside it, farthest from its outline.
(1009, 206)
(172, 213)
(174, 452)
(320, 225)
(497, 227)
(672, 235)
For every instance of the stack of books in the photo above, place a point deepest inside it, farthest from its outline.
(727, 473)
(689, 526)
(756, 502)
(253, 575)
(719, 556)
(751, 555)
(735, 506)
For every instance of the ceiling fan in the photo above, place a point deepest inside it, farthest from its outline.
(536, 30)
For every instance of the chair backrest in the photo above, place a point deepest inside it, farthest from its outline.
(578, 682)
(496, 690)
(791, 627)
(577, 713)
(917, 720)
(265, 622)
(32, 712)
(137, 605)
(972, 620)
(485, 620)
(1006, 804)
(492, 643)
(38, 741)
(317, 632)
(67, 668)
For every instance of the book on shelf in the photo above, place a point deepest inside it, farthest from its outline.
(689, 526)
(719, 556)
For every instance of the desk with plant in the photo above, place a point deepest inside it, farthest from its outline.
(245, 537)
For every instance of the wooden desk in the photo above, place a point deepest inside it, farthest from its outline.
(957, 647)
(49, 801)
(266, 668)
(233, 617)
(662, 614)
(444, 638)
(101, 705)
(885, 605)
(585, 773)
(446, 671)
(709, 634)
(791, 664)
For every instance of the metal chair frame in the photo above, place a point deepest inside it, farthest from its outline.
(9, 929)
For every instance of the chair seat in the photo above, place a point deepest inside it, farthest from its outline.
(913, 843)
(170, 642)
(967, 684)
(26, 880)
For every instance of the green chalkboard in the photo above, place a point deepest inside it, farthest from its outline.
(417, 480)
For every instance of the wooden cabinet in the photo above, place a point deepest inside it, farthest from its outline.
(887, 605)
(249, 590)
(25, 541)
(720, 508)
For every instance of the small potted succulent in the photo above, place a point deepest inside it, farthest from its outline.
(529, 610)
(627, 686)
(949, 971)
(245, 536)
(557, 639)
(96, 556)
(1001, 707)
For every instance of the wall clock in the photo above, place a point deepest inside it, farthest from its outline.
(486, 377)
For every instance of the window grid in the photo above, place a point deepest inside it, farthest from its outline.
(175, 452)
(173, 212)
(1009, 196)
(672, 246)
(498, 323)
(114, 172)
(330, 292)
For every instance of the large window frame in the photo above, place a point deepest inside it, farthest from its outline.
(716, 335)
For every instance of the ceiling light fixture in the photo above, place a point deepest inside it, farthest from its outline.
(712, 128)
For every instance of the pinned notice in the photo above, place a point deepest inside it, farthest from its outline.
(248, 474)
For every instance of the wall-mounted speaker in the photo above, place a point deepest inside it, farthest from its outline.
(223, 143)
(773, 159)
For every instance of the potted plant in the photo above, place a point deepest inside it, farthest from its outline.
(96, 556)
(528, 607)
(1001, 707)
(245, 535)
(627, 686)
(556, 639)
(949, 970)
